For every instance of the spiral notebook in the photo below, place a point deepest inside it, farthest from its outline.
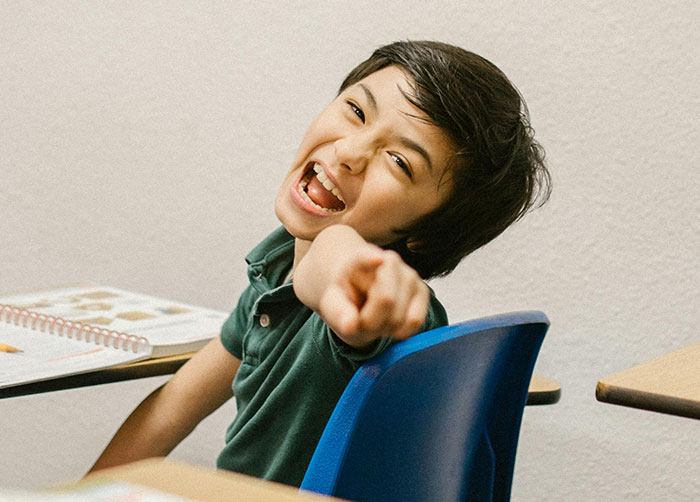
(79, 329)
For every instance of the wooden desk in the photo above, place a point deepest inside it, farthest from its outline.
(199, 483)
(668, 384)
(541, 391)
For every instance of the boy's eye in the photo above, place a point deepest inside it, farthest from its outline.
(402, 165)
(357, 111)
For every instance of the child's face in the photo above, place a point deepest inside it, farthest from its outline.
(379, 163)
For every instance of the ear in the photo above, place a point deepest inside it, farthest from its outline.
(412, 245)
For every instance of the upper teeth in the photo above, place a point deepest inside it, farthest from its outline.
(327, 183)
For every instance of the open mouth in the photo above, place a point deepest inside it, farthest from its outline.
(317, 189)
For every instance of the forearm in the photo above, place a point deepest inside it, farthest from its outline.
(147, 432)
(172, 411)
(322, 262)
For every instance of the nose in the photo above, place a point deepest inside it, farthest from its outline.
(353, 152)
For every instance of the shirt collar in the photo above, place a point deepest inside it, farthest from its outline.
(270, 260)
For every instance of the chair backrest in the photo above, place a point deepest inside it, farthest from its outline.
(434, 418)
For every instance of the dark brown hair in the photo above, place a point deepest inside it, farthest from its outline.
(497, 172)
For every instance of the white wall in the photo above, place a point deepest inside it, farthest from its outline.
(142, 143)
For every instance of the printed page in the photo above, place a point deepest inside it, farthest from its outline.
(163, 322)
(111, 491)
(29, 356)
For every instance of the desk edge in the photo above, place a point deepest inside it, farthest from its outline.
(612, 394)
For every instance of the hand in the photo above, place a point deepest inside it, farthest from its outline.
(360, 290)
(376, 294)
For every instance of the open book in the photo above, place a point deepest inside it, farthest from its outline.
(79, 329)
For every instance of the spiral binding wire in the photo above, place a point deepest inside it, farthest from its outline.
(70, 329)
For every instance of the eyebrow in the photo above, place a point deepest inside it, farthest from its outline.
(408, 143)
(370, 96)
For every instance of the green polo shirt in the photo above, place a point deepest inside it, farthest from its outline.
(293, 369)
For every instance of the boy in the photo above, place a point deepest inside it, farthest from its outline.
(424, 156)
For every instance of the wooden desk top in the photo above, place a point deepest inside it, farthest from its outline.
(541, 390)
(668, 384)
(200, 483)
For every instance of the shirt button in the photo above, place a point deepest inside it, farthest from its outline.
(264, 320)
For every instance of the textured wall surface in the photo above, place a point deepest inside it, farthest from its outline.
(142, 144)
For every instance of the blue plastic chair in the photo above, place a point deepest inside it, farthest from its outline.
(434, 418)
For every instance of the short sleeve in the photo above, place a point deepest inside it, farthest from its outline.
(352, 354)
(437, 317)
(236, 325)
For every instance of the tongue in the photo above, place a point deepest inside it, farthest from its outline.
(318, 193)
